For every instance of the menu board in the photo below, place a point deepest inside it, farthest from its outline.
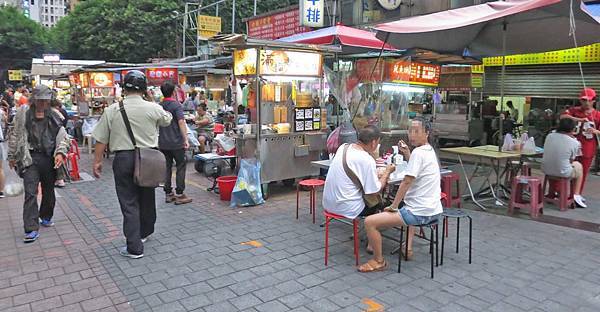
(307, 119)
(276, 25)
(157, 76)
(101, 80)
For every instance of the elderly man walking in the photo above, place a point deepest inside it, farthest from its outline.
(36, 148)
(138, 204)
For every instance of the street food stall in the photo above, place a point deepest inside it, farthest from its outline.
(459, 114)
(284, 95)
(393, 91)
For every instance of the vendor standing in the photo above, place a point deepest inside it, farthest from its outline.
(588, 120)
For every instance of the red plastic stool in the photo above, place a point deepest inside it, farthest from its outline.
(73, 166)
(75, 148)
(514, 167)
(536, 202)
(452, 198)
(328, 217)
(560, 185)
(312, 184)
(218, 128)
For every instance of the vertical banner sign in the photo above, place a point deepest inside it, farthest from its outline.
(312, 13)
(208, 26)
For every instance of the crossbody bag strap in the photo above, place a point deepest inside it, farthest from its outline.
(127, 123)
(349, 172)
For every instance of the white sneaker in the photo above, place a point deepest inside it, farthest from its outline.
(580, 201)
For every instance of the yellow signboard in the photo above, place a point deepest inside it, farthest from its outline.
(208, 26)
(15, 75)
(277, 63)
(587, 54)
(477, 69)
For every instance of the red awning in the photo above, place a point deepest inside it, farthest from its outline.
(531, 26)
(347, 36)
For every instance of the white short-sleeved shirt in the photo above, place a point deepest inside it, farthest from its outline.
(341, 196)
(423, 196)
(559, 150)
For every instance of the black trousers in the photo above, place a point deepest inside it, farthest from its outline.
(138, 204)
(40, 172)
(177, 156)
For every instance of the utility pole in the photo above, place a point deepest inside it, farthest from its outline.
(255, 7)
(233, 18)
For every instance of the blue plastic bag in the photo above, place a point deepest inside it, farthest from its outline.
(247, 190)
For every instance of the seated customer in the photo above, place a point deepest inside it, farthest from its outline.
(419, 192)
(560, 150)
(206, 126)
(344, 197)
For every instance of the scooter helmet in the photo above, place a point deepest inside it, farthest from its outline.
(135, 80)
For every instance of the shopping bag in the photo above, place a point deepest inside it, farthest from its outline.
(529, 146)
(509, 144)
(247, 190)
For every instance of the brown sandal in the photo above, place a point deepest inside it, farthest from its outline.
(368, 266)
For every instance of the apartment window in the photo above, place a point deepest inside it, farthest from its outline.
(32, 2)
(46, 10)
(52, 19)
(45, 1)
(51, 2)
(51, 10)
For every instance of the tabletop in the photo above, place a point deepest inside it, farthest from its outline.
(211, 156)
(487, 151)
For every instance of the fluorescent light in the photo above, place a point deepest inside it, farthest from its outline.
(288, 78)
(401, 88)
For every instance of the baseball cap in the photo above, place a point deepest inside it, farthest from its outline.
(41, 92)
(587, 94)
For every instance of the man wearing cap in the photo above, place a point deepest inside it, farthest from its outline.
(588, 120)
(37, 146)
(138, 204)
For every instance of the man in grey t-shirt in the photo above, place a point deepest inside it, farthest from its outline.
(560, 150)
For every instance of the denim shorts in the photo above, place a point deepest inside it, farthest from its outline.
(411, 219)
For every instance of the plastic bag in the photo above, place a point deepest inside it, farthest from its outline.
(192, 137)
(333, 141)
(88, 125)
(529, 146)
(225, 141)
(247, 190)
(509, 144)
(348, 133)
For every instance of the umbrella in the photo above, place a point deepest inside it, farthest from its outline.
(352, 40)
(497, 28)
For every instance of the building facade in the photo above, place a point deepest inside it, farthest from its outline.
(46, 12)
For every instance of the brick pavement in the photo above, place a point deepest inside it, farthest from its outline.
(196, 262)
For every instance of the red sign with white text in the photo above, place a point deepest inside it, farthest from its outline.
(413, 73)
(275, 26)
(156, 76)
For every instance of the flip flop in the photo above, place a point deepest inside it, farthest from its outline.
(367, 267)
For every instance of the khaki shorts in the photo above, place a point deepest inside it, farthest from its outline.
(577, 170)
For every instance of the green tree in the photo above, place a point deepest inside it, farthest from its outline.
(20, 39)
(118, 30)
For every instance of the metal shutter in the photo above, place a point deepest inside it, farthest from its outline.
(555, 80)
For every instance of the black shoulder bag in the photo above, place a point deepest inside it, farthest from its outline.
(149, 164)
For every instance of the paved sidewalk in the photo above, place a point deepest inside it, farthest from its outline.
(197, 261)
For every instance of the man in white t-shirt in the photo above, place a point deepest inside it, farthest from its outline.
(342, 196)
(419, 192)
(560, 150)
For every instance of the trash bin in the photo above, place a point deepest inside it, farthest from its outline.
(226, 185)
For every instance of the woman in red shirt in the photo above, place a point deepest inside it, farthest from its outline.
(588, 120)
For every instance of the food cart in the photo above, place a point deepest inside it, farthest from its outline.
(284, 96)
(459, 116)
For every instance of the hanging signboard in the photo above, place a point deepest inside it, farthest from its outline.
(51, 58)
(208, 26)
(101, 80)
(156, 76)
(278, 63)
(215, 81)
(15, 75)
(312, 13)
(587, 54)
(413, 73)
(275, 26)
(366, 70)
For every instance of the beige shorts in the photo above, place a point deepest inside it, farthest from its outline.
(577, 170)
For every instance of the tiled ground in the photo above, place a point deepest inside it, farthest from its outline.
(196, 261)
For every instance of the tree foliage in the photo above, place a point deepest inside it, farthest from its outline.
(20, 38)
(117, 30)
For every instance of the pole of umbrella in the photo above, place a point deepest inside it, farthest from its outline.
(502, 72)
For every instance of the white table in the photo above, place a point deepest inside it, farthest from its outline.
(211, 156)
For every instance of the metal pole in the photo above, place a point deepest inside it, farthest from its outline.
(217, 10)
(334, 13)
(233, 17)
(183, 33)
(255, 7)
(500, 126)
